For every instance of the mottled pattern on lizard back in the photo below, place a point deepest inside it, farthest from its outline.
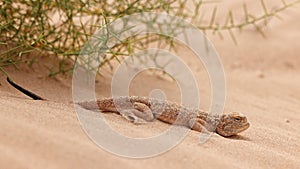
(130, 107)
(140, 109)
(163, 110)
(173, 113)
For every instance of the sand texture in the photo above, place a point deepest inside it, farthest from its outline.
(262, 81)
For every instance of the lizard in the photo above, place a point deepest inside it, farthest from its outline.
(143, 109)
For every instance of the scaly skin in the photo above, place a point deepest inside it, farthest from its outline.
(140, 109)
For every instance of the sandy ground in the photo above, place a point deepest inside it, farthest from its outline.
(262, 77)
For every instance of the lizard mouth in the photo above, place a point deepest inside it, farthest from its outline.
(244, 127)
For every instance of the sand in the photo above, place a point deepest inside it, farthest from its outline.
(262, 77)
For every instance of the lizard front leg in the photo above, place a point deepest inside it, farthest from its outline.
(198, 125)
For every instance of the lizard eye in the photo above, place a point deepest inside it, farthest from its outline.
(237, 118)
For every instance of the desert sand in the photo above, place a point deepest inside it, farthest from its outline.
(262, 81)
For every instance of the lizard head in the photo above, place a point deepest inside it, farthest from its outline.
(232, 124)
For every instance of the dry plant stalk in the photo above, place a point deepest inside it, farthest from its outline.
(61, 28)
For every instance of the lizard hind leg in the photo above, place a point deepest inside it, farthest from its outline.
(130, 115)
(143, 112)
(139, 114)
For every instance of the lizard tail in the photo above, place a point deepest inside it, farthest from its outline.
(24, 91)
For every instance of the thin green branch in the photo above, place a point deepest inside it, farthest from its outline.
(252, 21)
